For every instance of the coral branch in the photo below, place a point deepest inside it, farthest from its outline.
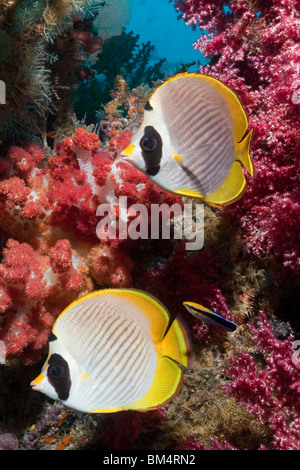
(270, 392)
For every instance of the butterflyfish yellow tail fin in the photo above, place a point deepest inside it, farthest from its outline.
(234, 185)
(176, 344)
(231, 189)
(166, 384)
(175, 347)
(242, 152)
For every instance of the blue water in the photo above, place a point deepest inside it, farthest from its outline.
(156, 21)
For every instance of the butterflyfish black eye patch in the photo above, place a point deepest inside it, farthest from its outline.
(58, 374)
(151, 146)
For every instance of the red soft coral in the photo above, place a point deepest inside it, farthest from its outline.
(48, 214)
(29, 281)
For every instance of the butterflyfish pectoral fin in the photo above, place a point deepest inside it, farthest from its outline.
(192, 153)
(178, 158)
(208, 316)
(230, 190)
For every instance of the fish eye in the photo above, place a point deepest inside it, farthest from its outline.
(55, 371)
(148, 144)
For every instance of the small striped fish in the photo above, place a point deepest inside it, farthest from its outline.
(192, 140)
(113, 350)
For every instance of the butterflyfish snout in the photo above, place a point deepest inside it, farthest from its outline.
(193, 140)
(113, 350)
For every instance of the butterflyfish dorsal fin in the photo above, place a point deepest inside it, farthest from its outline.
(157, 315)
(238, 114)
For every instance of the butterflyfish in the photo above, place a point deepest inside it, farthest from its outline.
(208, 316)
(194, 140)
(113, 350)
(118, 349)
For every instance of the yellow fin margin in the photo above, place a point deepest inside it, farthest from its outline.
(230, 190)
(238, 114)
(149, 306)
(165, 385)
(168, 376)
(188, 193)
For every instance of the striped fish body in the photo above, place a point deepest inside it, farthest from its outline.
(196, 126)
(113, 353)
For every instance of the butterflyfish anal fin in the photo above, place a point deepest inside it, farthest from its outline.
(242, 150)
(165, 385)
(188, 193)
(230, 190)
(114, 410)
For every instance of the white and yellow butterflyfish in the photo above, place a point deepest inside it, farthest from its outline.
(113, 350)
(193, 140)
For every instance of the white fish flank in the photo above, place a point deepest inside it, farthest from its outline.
(197, 118)
(109, 339)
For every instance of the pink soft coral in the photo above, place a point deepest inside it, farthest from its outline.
(32, 293)
(271, 392)
(268, 385)
(255, 50)
(48, 217)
